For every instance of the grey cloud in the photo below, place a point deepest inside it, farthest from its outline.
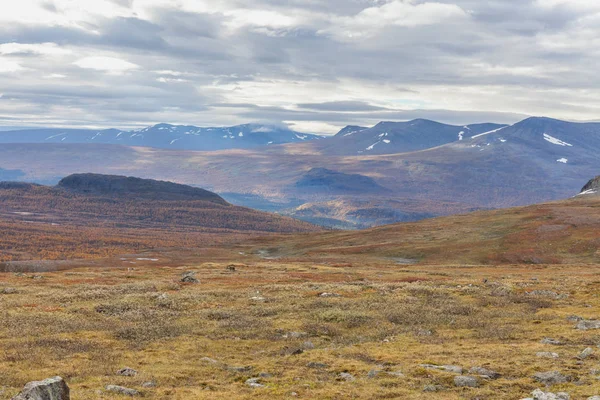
(342, 106)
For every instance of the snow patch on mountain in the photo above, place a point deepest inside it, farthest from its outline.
(556, 141)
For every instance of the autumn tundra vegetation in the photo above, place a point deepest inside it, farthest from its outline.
(131, 296)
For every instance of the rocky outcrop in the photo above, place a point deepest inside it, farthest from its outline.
(49, 389)
(592, 187)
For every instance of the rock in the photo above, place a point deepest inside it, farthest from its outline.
(465, 381)
(546, 354)
(317, 365)
(590, 324)
(189, 277)
(48, 389)
(585, 353)
(540, 395)
(374, 373)
(433, 388)
(122, 390)
(8, 290)
(295, 335)
(255, 383)
(231, 268)
(484, 372)
(149, 384)
(127, 372)
(548, 293)
(448, 368)
(574, 318)
(551, 341)
(240, 370)
(308, 345)
(594, 398)
(345, 376)
(329, 295)
(551, 378)
(265, 375)
(209, 360)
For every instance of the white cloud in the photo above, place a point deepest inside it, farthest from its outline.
(404, 13)
(107, 64)
(9, 66)
(33, 48)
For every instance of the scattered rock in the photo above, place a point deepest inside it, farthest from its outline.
(548, 293)
(265, 375)
(295, 335)
(448, 368)
(540, 395)
(551, 341)
(376, 372)
(209, 360)
(122, 390)
(345, 376)
(574, 318)
(149, 384)
(465, 381)
(240, 370)
(127, 372)
(590, 324)
(594, 398)
(257, 298)
(329, 295)
(231, 268)
(255, 383)
(308, 345)
(551, 378)
(484, 372)
(48, 389)
(585, 353)
(433, 388)
(546, 354)
(8, 290)
(317, 365)
(189, 277)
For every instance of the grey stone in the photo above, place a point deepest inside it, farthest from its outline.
(465, 381)
(345, 376)
(590, 324)
(255, 383)
(240, 370)
(594, 398)
(585, 353)
(484, 372)
(433, 388)
(317, 365)
(122, 390)
(546, 354)
(48, 389)
(127, 372)
(209, 360)
(551, 378)
(149, 384)
(541, 395)
(551, 341)
(8, 290)
(448, 368)
(574, 318)
(329, 295)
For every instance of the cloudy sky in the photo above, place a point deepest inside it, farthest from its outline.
(316, 65)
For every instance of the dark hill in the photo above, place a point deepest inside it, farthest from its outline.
(326, 180)
(114, 185)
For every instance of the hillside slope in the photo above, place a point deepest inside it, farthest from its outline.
(552, 233)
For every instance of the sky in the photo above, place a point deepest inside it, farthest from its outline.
(314, 65)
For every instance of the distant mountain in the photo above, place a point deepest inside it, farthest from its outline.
(167, 136)
(397, 137)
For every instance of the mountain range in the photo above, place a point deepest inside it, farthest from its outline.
(431, 169)
(166, 136)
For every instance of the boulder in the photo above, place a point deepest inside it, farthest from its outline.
(127, 372)
(585, 353)
(465, 381)
(540, 395)
(546, 354)
(586, 325)
(48, 389)
(484, 372)
(122, 390)
(255, 383)
(189, 277)
(551, 378)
